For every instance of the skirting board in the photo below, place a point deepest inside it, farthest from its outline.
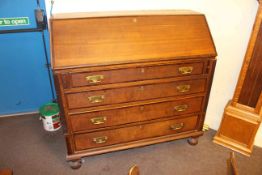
(19, 114)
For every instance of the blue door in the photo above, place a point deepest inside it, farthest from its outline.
(25, 80)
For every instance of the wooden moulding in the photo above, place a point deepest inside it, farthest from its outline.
(238, 129)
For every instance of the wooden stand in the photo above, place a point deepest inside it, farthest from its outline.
(243, 114)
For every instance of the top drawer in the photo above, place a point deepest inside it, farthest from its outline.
(134, 74)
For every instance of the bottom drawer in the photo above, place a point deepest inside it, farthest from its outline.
(133, 133)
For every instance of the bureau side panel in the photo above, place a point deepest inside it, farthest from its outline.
(210, 69)
(63, 112)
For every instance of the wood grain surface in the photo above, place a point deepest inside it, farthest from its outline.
(93, 41)
(131, 79)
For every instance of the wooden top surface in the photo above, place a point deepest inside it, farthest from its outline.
(122, 13)
(99, 39)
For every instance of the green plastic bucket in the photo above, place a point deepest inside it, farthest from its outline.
(50, 116)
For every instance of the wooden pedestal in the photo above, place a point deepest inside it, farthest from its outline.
(239, 129)
(243, 114)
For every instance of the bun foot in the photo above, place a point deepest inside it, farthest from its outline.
(75, 164)
(192, 141)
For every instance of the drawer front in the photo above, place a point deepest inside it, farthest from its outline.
(135, 74)
(106, 118)
(133, 133)
(135, 93)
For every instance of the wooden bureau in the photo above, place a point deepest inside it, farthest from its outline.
(130, 79)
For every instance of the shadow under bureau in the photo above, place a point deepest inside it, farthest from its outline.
(130, 79)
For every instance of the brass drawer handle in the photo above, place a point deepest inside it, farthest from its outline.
(177, 126)
(185, 70)
(183, 88)
(96, 99)
(95, 78)
(98, 120)
(100, 140)
(181, 108)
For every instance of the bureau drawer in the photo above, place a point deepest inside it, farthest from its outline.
(133, 133)
(134, 93)
(135, 74)
(100, 119)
